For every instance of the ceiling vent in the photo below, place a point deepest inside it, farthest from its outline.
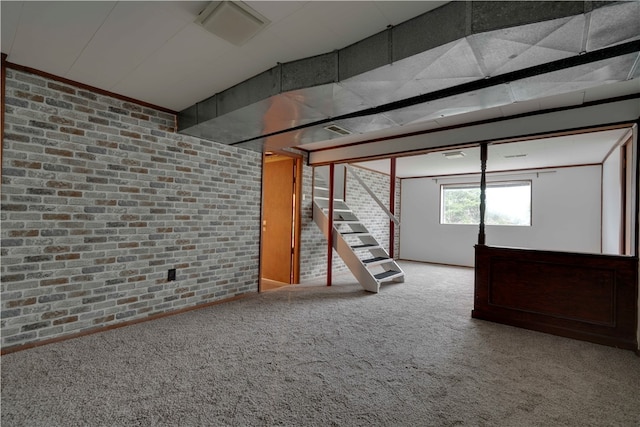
(234, 21)
(337, 129)
(453, 155)
(514, 156)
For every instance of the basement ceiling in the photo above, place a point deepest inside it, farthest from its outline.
(370, 67)
(439, 69)
(559, 151)
(155, 52)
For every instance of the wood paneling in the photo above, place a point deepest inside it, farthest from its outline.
(584, 296)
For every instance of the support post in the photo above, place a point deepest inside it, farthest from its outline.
(330, 225)
(392, 205)
(483, 191)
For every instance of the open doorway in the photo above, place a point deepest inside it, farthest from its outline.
(280, 221)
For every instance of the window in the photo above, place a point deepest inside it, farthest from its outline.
(508, 203)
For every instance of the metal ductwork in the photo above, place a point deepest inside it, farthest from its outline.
(459, 58)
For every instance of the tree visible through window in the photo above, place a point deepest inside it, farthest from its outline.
(508, 203)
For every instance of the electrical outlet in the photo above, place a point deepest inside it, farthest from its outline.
(172, 275)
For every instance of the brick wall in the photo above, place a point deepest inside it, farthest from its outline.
(367, 210)
(313, 244)
(100, 198)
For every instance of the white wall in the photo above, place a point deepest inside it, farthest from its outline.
(611, 204)
(566, 216)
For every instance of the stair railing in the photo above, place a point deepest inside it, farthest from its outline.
(391, 216)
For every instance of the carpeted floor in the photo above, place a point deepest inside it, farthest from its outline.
(311, 355)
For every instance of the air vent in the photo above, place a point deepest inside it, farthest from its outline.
(453, 155)
(234, 21)
(513, 156)
(337, 129)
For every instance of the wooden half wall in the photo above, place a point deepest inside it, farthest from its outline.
(589, 297)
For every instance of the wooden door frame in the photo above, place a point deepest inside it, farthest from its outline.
(297, 215)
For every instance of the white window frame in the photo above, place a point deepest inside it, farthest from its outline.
(494, 184)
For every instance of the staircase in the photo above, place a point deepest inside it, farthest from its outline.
(368, 261)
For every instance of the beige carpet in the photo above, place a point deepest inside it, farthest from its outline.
(316, 356)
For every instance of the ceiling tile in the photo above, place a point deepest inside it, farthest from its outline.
(51, 35)
(184, 54)
(214, 76)
(109, 56)
(10, 12)
(269, 49)
(318, 38)
(275, 11)
(348, 21)
(397, 12)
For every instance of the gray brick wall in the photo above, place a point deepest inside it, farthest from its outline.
(313, 245)
(100, 197)
(313, 253)
(368, 211)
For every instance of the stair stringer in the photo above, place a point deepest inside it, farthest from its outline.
(346, 252)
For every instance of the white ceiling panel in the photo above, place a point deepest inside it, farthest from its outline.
(571, 150)
(187, 52)
(400, 11)
(133, 31)
(316, 39)
(216, 75)
(183, 10)
(434, 164)
(352, 20)
(269, 49)
(10, 12)
(588, 148)
(276, 10)
(51, 35)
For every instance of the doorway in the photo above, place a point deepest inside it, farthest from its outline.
(280, 221)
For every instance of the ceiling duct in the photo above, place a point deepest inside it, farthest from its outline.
(337, 129)
(493, 55)
(234, 22)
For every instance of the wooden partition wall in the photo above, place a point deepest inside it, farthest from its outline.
(589, 297)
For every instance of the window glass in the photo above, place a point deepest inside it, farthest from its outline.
(508, 203)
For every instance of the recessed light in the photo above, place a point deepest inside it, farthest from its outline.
(453, 155)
